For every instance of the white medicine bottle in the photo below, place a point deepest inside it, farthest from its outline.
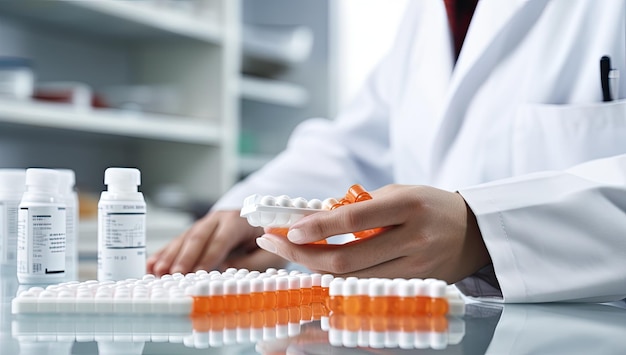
(12, 187)
(70, 198)
(121, 226)
(41, 229)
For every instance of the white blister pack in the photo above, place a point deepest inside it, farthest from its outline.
(278, 212)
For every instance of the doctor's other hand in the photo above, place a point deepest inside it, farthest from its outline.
(219, 240)
(428, 233)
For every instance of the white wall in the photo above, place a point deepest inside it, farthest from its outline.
(366, 30)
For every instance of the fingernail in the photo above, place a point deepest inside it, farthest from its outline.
(265, 244)
(296, 236)
(177, 268)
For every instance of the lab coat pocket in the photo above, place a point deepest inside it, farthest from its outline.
(549, 137)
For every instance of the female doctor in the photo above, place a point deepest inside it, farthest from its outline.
(503, 166)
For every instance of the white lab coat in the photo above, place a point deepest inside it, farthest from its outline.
(522, 104)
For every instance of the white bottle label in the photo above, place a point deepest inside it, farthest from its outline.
(122, 238)
(41, 240)
(3, 235)
(8, 232)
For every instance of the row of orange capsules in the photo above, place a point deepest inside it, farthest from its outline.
(265, 291)
(355, 296)
(261, 324)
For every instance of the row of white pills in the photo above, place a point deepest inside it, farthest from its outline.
(374, 287)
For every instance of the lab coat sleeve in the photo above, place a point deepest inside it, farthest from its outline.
(323, 157)
(554, 236)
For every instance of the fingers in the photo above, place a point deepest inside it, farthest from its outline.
(222, 243)
(162, 260)
(197, 238)
(346, 258)
(347, 219)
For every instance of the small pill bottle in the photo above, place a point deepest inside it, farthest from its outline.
(121, 226)
(41, 227)
(70, 198)
(12, 187)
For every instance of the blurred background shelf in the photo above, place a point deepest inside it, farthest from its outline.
(121, 19)
(108, 122)
(273, 92)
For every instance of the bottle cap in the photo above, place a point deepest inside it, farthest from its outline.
(67, 180)
(122, 179)
(13, 180)
(44, 178)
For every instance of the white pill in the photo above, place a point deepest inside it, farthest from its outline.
(315, 204)
(269, 284)
(299, 202)
(283, 201)
(316, 279)
(326, 280)
(256, 285)
(305, 281)
(336, 287)
(328, 203)
(268, 201)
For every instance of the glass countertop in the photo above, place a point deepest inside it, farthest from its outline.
(486, 328)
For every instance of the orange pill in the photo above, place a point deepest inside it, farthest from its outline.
(437, 307)
(325, 283)
(230, 296)
(269, 293)
(244, 320)
(269, 318)
(201, 305)
(216, 299)
(282, 292)
(335, 297)
(201, 323)
(256, 294)
(306, 313)
(282, 316)
(279, 231)
(243, 295)
(438, 324)
(257, 319)
(356, 193)
(306, 284)
(295, 294)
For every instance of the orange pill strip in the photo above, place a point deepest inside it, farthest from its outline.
(397, 297)
(238, 291)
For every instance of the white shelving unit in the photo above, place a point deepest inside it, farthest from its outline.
(190, 46)
(195, 52)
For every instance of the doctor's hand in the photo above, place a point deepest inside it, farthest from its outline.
(219, 240)
(429, 233)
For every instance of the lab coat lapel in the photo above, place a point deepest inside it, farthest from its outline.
(487, 42)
